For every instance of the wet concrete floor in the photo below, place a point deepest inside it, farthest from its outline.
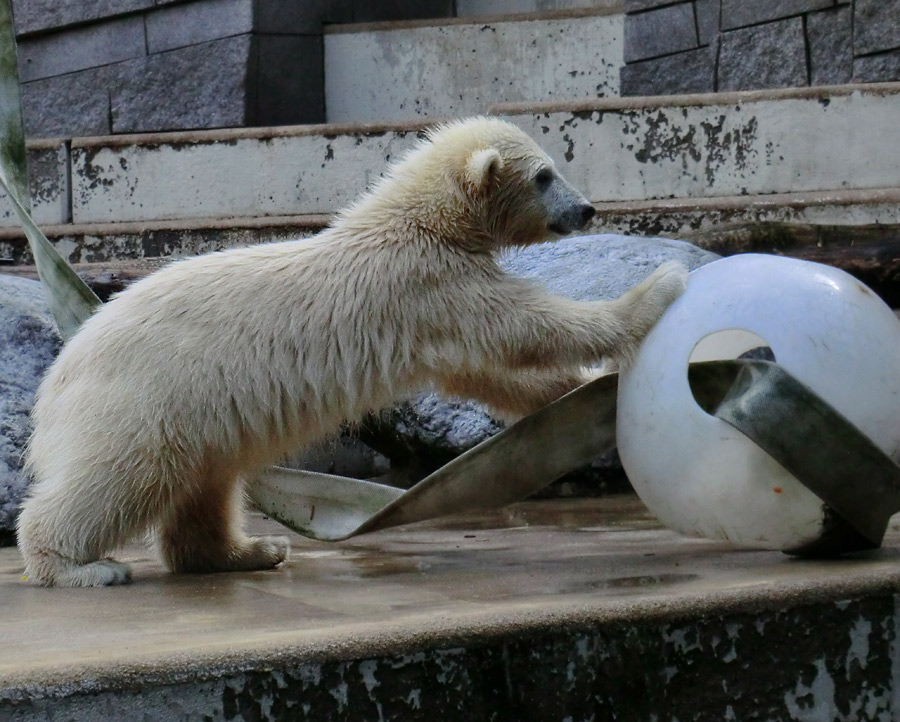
(530, 565)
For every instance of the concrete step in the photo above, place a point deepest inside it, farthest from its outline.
(405, 70)
(539, 612)
(667, 165)
(755, 143)
(683, 218)
(105, 242)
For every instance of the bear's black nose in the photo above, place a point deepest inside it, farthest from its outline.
(587, 212)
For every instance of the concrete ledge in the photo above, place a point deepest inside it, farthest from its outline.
(230, 135)
(541, 611)
(692, 100)
(685, 218)
(104, 242)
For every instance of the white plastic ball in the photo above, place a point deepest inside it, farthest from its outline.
(700, 475)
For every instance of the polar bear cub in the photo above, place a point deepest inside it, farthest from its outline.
(214, 367)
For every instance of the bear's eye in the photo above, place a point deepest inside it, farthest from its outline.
(543, 178)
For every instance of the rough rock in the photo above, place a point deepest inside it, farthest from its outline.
(427, 432)
(739, 13)
(876, 26)
(830, 40)
(667, 30)
(764, 56)
(689, 72)
(601, 267)
(880, 68)
(28, 344)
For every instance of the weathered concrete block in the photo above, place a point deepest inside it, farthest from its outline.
(81, 48)
(740, 13)
(727, 144)
(289, 80)
(876, 26)
(765, 56)
(226, 175)
(830, 40)
(690, 72)
(834, 663)
(452, 70)
(48, 181)
(664, 31)
(210, 81)
(197, 22)
(34, 15)
(66, 105)
(881, 68)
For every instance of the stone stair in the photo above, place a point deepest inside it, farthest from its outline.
(672, 165)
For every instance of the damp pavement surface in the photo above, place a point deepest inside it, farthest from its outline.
(534, 568)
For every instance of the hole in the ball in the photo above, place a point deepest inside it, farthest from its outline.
(710, 383)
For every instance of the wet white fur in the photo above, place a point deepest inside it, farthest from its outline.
(219, 365)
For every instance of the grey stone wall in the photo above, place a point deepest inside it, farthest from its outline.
(125, 66)
(699, 46)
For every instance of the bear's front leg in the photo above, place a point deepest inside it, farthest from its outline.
(513, 393)
(521, 326)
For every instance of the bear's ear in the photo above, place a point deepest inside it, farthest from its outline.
(482, 169)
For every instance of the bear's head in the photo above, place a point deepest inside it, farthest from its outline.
(479, 183)
(510, 189)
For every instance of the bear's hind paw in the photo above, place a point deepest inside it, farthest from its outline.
(102, 573)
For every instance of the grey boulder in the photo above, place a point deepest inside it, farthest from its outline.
(601, 267)
(29, 342)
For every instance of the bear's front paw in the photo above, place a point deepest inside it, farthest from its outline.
(669, 282)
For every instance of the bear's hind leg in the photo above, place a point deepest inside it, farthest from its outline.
(64, 538)
(202, 533)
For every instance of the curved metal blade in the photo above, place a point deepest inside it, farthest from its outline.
(831, 457)
(520, 460)
(321, 506)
